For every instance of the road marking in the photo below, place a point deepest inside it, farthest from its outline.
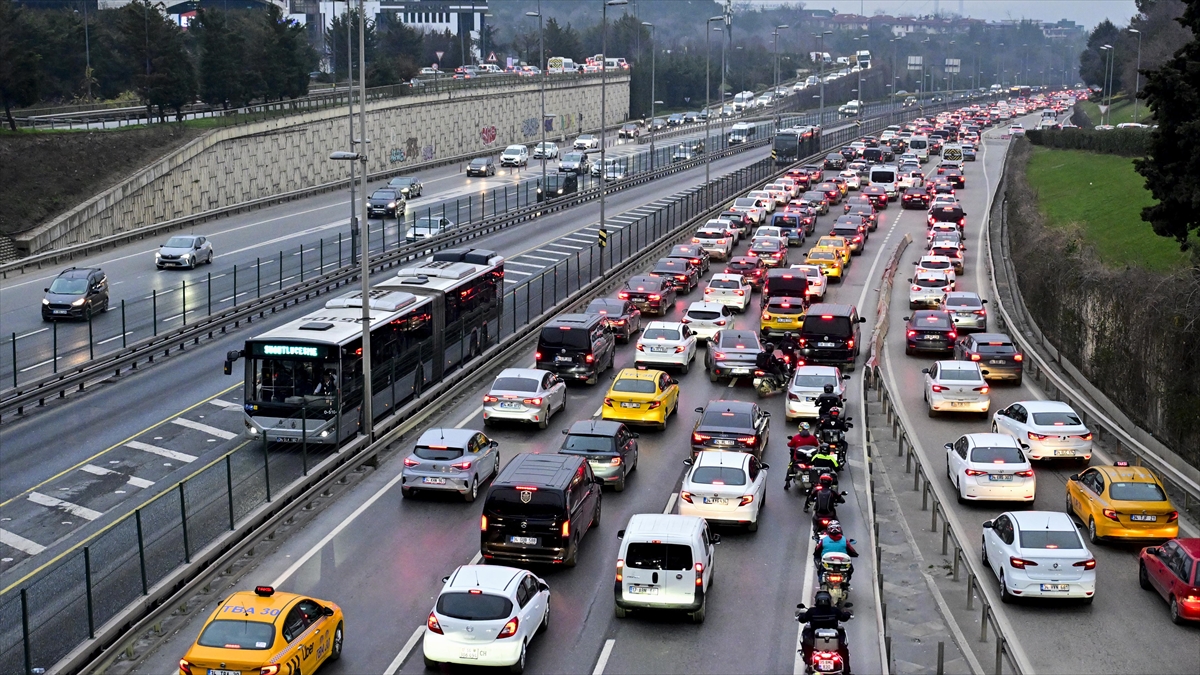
(467, 420)
(115, 337)
(671, 502)
(20, 543)
(38, 365)
(101, 471)
(56, 503)
(211, 431)
(476, 558)
(604, 654)
(538, 257)
(513, 262)
(798, 665)
(524, 274)
(33, 332)
(413, 639)
(598, 412)
(580, 241)
(224, 404)
(161, 452)
(573, 248)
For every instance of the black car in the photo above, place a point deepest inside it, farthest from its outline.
(385, 203)
(855, 233)
(732, 353)
(948, 214)
(867, 212)
(834, 161)
(609, 447)
(652, 295)
(929, 330)
(956, 178)
(878, 196)
(752, 269)
(409, 186)
(624, 319)
(576, 347)
(735, 426)
(76, 293)
(539, 508)
(995, 353)
(481, 166)
(681, 273)
(848, 153)
(694, 254)
(558, 184)
(831, 335)
(915, 198)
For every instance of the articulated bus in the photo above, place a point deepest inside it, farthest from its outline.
(425, 323)
(791, 144)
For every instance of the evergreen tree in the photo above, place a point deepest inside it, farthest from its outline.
(562, 41)
(19, 67)
(222, 54)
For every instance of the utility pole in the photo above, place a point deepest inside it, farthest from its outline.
(355, 236)
(542, 62)
(603, 110)
(368, 419)
(1137, 75)
(708, 31)
(653, 77)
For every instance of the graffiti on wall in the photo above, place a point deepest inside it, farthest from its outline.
(410, 150)
(397, 155)
(529, 127)
(427, 153)
(488, 135)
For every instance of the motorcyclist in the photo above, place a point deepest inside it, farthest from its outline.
(770, 364)
(790, 348)
(834, 541)
(823, 462)
(824, 615)
(826, 401)
(833, 427)
(798, 444)
(823, 500)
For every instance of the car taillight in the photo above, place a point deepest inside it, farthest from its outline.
(1084, 437)
(937, 388)
(1089, 564)
(618, 322)
(1021, 563)
(1111, 514)
(1033, 436)
(741, 292)
(849, 344)
(510, 629)
(983, 390)
(686, 319)
(589, 358)
(432, 624)
(746, 499)
(912, 333)
(185, 668)
(721, 241)
(623, 295)
(483, 523)
(566, 529)
(680, 349)
(975, 472)
(699, 574)
(719, 355)
(537, 400)
(488, 398)
(409, 461)
(952, 335)
(1018, 357)
(700, 438)
(464, 466)
(766, 316)
(272, 669)
(655, 296)
(621, 566)
(537, 356)
(1027, 473)
(1172, 516)
(748, 441)
(681, 277)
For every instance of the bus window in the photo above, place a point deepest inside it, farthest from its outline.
(277, 380)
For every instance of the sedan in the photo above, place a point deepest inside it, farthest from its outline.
(641, 397)
(926, 289)
(731, 426)
(989, 467)
(624, 318)
(693, 253)
(752, 269)
(184, 251)
(524, 395)
(545, 150)
(1046, 429)
(732, 353)
(1173, 570)
(867, 212)
(680, 273)
(409, 186)
(481, 166)
(957, 386)
(807, 384)
(770, 251)
(915, 198)
(816, 201)
(724, 487)
(817, 283)
(486, 615)
(1038, 554)
(706, 318)
(665, 343)
(853, 181)
(966, 308)
(586, 142)
(878, 195)
(455, 460)
(993, 351)
(715, 240)
(1122, 502)
(729, 289)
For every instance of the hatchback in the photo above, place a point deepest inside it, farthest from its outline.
(967, 310)
(610, 448)
(989, 467)
(456, 460)
(1173, 570)
(185, 251)
(929, 330)
(729, 289)
(993, 351)
(706, 318)
(481, 166)
(750, 268)
(524, 395)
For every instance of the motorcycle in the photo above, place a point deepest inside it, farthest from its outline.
(820, 521)
(768, 385)
(800, 466)
(837, 439)
(833, 575)
(826, 657)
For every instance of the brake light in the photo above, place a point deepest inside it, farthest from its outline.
(975, 472)
(1021, 563)
(465, 466)
(590, 358)
(1085, 437)
(273, 669)
(537, 356)
(748, 441)
(721, 241)
(700, 438)
(616, 461)
(409, 461)
(623, 295)
(975, 357)
(621, 567)
(746, 499)
(1018, 357)
(432, 624)
(834, 578)
(1110, 514)
(681, 277)
(686, 319)
(849, 344)
(983, 390)
(655, 296)
(741, 292)
(680, 349)
(483, 523)
(566, 528)
(1172, 516)
(912, 333)
(510, 628)
(618, 322)
(766, 316)
(185, 668)
(938, 388)
(699, 574)
(719, 355)
(533, 401)
(952, 335)
(1036, 436)
(1089, 564)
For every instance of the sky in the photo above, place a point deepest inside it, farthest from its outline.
(1086, 12)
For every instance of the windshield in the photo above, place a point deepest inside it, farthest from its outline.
(821, 255)
(474, 606)
(727, 419)
(655, 556)
(814, 381)
(515, 384)
(1050, 539)
(573, 157)
(704, 314)
(286, 380)
(554, 337)
(719, 475)
(1001, 455)
(1137, 492)
(238, 635)
(514, 149)
(634, 386)
(69, 286)
(383, 194)
(786, 305)
(660, 334)
(935, 264)
(479, 162)
(427, 224)
(1056, 419)
(403, 182)
(179, 242)
(587, 445)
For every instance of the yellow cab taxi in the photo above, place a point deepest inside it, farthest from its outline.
(641, 397)
(262, 632)
(828, 259)
(782, 315)
(1122, 502)
(839, 244)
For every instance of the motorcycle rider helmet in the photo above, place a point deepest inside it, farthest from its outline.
(805, 429)
(769, 347)
(829, 389)
(823, 599)
(826, 480)
(833, 528)
(789, 335)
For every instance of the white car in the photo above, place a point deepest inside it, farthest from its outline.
(806, 385)
(724, 487)
(989, 467)
(1046, 429)
(706, 318)
(926, 289)
(1038, 554)
(853, 180)
(665, 343)
(765, 198)
(817, 281)
(524, 395)
(515, 155)
(936, 263)
(1016, 130)
(733, 229)
(717, 241)
(781, 194)
(791, 185)
(940, 201)
(752, 207)
(769, 232)
(957, 386)
(545, 150)
(486, 615)
(729, 289)
(941, 228)
(586, 142)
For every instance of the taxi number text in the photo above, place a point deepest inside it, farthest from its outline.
(237, 609)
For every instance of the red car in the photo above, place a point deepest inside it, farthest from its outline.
(1173, 570)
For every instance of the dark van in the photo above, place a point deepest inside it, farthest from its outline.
(948, 214)
(538, 509)
(830, 334)
(576, 347)
(558, 185)
(786, 283)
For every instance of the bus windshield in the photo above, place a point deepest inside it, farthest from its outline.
(276, 380)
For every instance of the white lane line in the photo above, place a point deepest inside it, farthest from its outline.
(671, 502)
(33, 332)
(476, 558)
(161, 452)
(542, 250)
(37, 365)
(56, 503)
(101, 471)
(139, 482)
(798, 665)
(732, 382)
(467, 420)
(578, 241)
(568, 246)
(14, 540)
(232, 297)
(115, 337)
(515, 262)
(224, 404)
(604, 654)
(598, 412)
(210, 430)
(403, 655)
(524, 274)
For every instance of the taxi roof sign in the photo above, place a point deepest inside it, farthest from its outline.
(264, 591)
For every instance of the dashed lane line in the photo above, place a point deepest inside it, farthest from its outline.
(198, 426)
(161, 452)
(225, 404)
(56, 503)
(14, 540)
(101, 471)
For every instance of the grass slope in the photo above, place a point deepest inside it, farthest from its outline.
(1120, 112)
(1104, 196)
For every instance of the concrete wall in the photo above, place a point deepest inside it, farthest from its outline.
(236, 165)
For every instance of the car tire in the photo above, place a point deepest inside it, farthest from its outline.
(545, 421)
(619, 486)
(407, 492)
(1005, 597)
(1092, 536)
(932, 412)
(430, 664)
(1173, 607)
(1017, 382)
(697, 616)
(473, 491)
(752, 526)
(712, 376)
(572, 558)
(519, 666)
(335, 651)
(983, 555)
(1144, 577)
(683, 370)
(958, 493)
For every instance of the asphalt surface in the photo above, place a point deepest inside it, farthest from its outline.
(381, 557)
(1126, 629)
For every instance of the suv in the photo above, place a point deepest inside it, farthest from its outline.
(539, 508)
(609, 447)
(577, 346)
(77, 293)
(830, 334)
(558, 184)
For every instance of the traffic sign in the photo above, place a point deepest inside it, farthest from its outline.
(603, 238)
(439, 55)
(491, 57)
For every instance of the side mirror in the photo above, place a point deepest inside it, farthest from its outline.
(846, 376)
(948, 446)
(985, 372)
(925, 370)
(700, 410)
(688, 462)
(800, 606)
(635, 435)
(909, 281)
(853, 542)
(46, 290)
(326, 611)
(716, 538)
(543, 586)
(565, 432)
(1074, 476)
(764, 467)
(843, 493)
(1154, 550)
(984, 301)
(494, 444)
(908, 318)
(445, 578)
(987, 524)
(620, 534)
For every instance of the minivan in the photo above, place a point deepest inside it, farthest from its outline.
(576, 347)
(665, 562)
(831, 335)
(538, 509)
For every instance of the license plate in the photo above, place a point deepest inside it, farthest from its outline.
(957, 404)
(1143, 519)
(825, 664)
(643, 590)
(722, 442)
(469, 653)
(716, 500)
(964, 315)
(1064, 453)
(783, 319)
(510, 405)
(562, 359)
(658, 349)
(60, 311)
(1000, 477)
(996, 362)
(213, 671)
(430, 480)
(525, 541)
(1056, 587)
(826, 344)
(740, 371)
(630, 405)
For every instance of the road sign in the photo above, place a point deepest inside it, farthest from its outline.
(439, 55)
(491, 57)
(953, 65)
(603, 238)
(916, 62)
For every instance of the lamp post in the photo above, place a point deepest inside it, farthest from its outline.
(354, 233)
(1108, 67)
(707, 89)
(87, 50)
(774, 34)
(821, 56)
(653, 75)
(1137, 75)
(542, 64)
(603, 107)
(859, 93)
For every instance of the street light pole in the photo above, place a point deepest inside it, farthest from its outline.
(708, 31)
(603, 108)
(355, 237)
(1137, 75)
(368, 418)
(542, 63)
(87, 48)
(778, 119)
(653, 75)
(821, 57)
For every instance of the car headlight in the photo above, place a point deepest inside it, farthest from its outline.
(45, 301)
(79, 302)
(391, 205)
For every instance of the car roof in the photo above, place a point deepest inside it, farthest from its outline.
(958, 365)
(277, 600)
(531, 468)
(1036, 520)
(1192, 546)
(700, 304)
(661, 523)
(828, 371)
(748, 336)
(1127, 474)
(637, 374)
(726, 405)
(957, 294)
(991, 337)
(591, 427)
(78, 272)
(529, 373)
(454, 438)
(673, 325)
(992, 440)
(484, 577)
(721, 458)
(821, 308)
(727, 277)
(1046, 406)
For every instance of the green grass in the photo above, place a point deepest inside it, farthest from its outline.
(1121, 112)
(1104, 196)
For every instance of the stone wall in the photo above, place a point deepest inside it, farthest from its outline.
(290, 155)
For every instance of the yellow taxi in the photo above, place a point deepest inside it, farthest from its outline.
(1122, 502)
(840, 244)
(641, 397)
(262, 632)
(828, 259)
(782, 315)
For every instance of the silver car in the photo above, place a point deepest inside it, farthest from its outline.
(184, 251)
(450, 460)
(576, 162)
(524, 395)
(807, 384)
(967, 310)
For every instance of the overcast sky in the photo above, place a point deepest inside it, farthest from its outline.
(1086, 12)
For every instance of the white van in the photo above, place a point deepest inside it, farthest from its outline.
(743, 100)
(665, 562)
(741, 132)
(919, 145)
(885, 176)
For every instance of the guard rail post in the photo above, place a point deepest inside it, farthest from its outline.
(14, 358)
(54, 350)
(87, 581)
(281, 265)
(257, 279)
(91, 339)
(137, 516)
(124, 331)
(183, 522)
(229, 490)
(267, 463)
(183, 301)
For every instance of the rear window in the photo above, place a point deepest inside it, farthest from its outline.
(935, 264)
(474, 606)
(724, 283)
(506, 501)
(704, 314)
(947, 215)
(959, 375)
(986, 348)
(814, 381)
(1000, 455)
(786, 221)
(934, 282)
(650, 556)
(554, 337)
(660, 334)
(1136, 492)
(715, 418)
(786, 305)
(1050, 539)
(516, 384)
(962, 302)
(603, 306)
(576, 444)
(437, 452)
(848, 231)
(736, 341)
(634, 386)
(1056, 419)
(238, 635)
(827, 325)
(719, 475)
